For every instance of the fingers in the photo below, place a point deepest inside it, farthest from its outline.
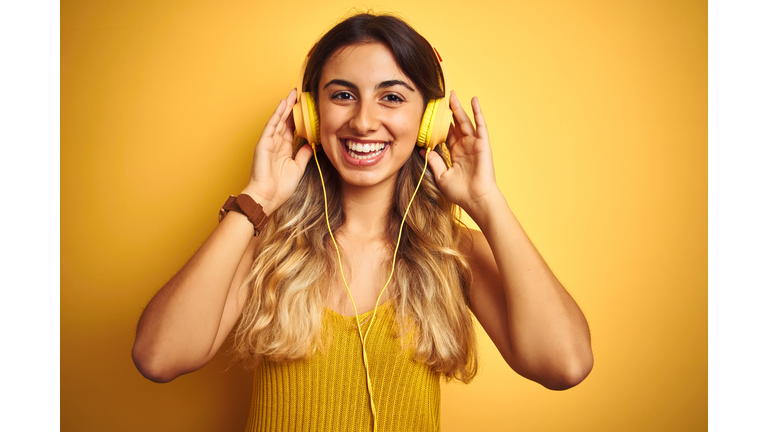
(461, 118)
(274, 119)
(285, 112)
(482, 128)
(451, 136)
(436, 164)
(285, 132)
(290, 102)
(303, 156)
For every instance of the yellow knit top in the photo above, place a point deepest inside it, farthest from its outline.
(328, 391)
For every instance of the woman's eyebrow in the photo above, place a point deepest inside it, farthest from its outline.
(340, 82)
(381, 85)
(392, 83)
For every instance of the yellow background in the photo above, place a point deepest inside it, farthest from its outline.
(598, 118)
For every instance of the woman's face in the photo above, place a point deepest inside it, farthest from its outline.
(370, 113)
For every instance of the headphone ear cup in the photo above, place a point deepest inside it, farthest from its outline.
(305, 118)
(427, 122)
(435, 124)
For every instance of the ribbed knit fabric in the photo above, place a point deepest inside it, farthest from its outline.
(328, 392)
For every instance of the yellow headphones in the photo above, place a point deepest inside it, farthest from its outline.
(434, 124)
(433, 131)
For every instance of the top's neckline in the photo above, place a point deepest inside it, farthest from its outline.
(362, 315)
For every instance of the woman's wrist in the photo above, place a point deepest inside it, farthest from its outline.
(483, 206)
(266, 204)
(245, 205)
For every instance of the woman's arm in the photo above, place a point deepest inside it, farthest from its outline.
(187, 321)
(533, 321)
(531, 318)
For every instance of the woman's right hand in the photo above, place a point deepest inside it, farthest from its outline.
(275, 173)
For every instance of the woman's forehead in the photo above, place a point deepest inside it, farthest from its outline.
(363, 64)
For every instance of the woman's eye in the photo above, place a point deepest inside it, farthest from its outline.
(393, 98)
(342, 95)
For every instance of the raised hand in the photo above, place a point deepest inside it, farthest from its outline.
(471, 178)
(275, 173)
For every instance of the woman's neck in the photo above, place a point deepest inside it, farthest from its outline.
(366, 210)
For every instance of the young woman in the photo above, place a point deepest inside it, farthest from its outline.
(358, 339)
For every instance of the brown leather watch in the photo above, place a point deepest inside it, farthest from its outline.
(244, 204)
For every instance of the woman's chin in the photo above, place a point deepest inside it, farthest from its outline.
(372, 182)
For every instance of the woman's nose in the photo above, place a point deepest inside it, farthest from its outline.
(365, 120)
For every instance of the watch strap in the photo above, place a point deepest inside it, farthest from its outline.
(254, 211)
(245, 205)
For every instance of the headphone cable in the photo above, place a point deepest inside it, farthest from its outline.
(363, 339)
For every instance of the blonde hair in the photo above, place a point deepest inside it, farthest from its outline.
(289, 280)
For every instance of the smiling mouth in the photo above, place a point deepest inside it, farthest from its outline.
(363, 151)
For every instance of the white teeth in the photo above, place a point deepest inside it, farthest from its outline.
(365, 148)
(372, 150)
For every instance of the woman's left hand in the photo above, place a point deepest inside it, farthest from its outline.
(471, 178)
